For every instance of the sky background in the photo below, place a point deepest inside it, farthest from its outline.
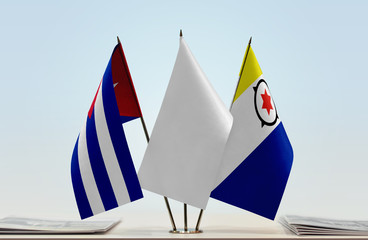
(312, 53)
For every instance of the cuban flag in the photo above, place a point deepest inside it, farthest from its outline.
(258, 155)
(102, 170)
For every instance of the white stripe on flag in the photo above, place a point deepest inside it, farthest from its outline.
(87, 175)
(108, 153)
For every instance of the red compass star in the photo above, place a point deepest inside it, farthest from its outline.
(266, 102)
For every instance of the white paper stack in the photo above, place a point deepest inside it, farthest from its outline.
(321, 226)
(43, 226)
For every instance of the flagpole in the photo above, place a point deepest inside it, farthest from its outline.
(185, 218)
(147, 138)
(185, 205)
(241, 71)
(165, 198)
(170, 213)
(199, 220)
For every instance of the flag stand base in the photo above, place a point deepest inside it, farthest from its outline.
(186, 230)
(182, 231)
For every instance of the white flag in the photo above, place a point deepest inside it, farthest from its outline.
(184, 153)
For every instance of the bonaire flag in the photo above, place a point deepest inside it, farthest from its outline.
(258, 155)
(102, 169)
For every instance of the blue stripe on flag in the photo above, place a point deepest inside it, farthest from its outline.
(98, 166)
(125, 119)
(80, 193)
(258, 183)
(118, 137)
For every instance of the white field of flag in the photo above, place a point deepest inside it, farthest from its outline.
(188, 139)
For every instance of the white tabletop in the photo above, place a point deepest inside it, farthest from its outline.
(216, 226)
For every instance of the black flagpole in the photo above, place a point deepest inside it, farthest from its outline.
(165, 198)
(147, 137)
(199, 220)
(185, 205)
(241, 71)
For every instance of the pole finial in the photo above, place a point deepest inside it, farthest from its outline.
(181, 33)
(118, 39)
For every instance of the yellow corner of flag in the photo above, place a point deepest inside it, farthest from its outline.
(249, 72)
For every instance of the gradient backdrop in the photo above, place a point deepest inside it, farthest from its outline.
(313, 55)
